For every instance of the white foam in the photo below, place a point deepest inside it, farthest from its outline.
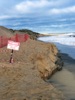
(64, 42)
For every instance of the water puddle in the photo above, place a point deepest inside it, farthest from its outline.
(65, 81)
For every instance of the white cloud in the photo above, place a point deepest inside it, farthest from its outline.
(63, 10)
(36, 7)
(8, 16)
(16, 24)
(4, 17)
(62, 25)
(59, 26)
(63, 19)
(29, 6)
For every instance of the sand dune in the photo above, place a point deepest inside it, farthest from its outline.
(5, 32)
(21, 80)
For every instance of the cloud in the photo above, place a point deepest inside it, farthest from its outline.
(39, 15)
(62, 25)
(59, 26)
(36, 7)
(63, 10)
(4, 16)
(30, 6)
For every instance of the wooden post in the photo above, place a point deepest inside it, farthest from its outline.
(11, 56)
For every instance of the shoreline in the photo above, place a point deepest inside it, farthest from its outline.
(64, 80)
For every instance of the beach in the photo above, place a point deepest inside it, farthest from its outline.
(22, 82)
(65, 79)
(21, 79)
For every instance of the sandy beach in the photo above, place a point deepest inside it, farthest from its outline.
(21, 80)
(65, 79)
(24, 83)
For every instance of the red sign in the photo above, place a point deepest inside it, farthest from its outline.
(13, 45)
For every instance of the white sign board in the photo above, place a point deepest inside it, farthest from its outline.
(13, 45)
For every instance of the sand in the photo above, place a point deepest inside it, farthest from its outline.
(21, 80)
(65, 79)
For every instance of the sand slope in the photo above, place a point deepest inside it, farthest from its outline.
(5, 32)
(21, 80)
(43, 56)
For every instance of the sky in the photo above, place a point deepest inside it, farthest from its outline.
(42, 16)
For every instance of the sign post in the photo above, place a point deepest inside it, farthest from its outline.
(11, 56)
(13, 46)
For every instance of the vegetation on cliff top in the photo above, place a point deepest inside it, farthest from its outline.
(33, 35)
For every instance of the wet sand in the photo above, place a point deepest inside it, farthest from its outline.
(65, 80)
